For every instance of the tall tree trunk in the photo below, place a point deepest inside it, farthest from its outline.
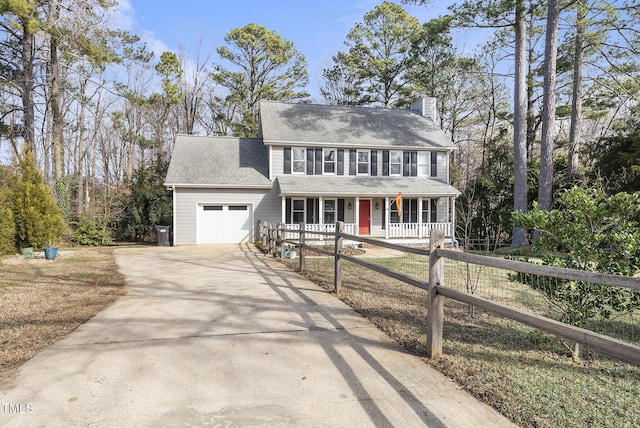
(531, 114)
(520, 124)
(548, 106)
(54, 100)
(27, 84)
(576, 100)
(57, 120)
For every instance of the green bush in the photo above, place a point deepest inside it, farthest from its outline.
(147, 202)
(590, 231)
(7, 225)
(38, 219)
(7, 230)
(90, 232)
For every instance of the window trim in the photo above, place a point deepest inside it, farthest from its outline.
(293, 209)
(399, 174)
(325, 162)
(324, 211)
(368, 152)
(427, 163)
(303, 160)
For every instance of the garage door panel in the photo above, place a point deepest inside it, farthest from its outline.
(224, 223)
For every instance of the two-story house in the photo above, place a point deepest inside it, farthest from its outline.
(384, 172)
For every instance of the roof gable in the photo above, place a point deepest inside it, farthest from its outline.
(219, 161)
(285, 123)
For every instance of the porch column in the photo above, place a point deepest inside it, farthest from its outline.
(420, 217)
(356, 211)
(387, 217)
(283, 211)
(453, 217)
(321, 213)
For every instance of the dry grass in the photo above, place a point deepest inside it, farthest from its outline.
(527, 375)
(41, 301)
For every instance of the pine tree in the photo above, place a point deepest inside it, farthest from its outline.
(37, 217)
(7, 225)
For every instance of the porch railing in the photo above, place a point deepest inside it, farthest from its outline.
(324, 228)
(395, 230)
(416, 230)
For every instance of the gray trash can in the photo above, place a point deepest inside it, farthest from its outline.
(163, 234)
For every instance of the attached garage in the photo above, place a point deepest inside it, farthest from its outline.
(224, 223)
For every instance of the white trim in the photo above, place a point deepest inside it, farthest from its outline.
(335, 161)
(401, 163)
(358, 199)
(219, 186)
(304, 209)
(321, 144)
(335, 209)
(251, 208)
(304, 161)
(283, 210)
(175, 216)
(368, 152)
(428, 154)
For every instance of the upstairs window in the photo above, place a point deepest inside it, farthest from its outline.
(364, 162)
(298, 160)
(329, 161)
(424, 161)
(395, 163)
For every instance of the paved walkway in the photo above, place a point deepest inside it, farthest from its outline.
(224, 336)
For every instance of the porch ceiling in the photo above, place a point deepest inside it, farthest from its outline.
(331, 185)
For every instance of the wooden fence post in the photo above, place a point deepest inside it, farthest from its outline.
(281, 236)
(271, 240)
(435, 311)
(260, 237)
(337, 268)
(301, 261)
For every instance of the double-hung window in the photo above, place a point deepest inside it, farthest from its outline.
(297, 210)
(329, 161)
(329, 215)
(424, 162)
(298, 160)
(395, 163)
(429, 211)
(364, 162)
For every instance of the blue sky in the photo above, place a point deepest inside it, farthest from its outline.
(317, 27)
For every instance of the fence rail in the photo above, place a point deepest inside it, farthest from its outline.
(606, 345)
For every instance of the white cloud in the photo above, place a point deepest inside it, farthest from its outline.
(123, 15)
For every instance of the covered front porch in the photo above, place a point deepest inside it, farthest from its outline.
(369, 206)
(371, 216)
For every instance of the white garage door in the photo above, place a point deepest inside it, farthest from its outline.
(223, 223)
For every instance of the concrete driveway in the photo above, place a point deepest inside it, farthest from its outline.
(224, 336)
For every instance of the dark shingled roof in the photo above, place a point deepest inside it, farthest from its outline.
(218, 161)
(351, 126)
(331, 185)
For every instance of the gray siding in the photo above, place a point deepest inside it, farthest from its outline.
(443, 210)
(277, 161)
(443, 167)
(266, 206)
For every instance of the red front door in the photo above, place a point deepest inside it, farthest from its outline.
(364, 217)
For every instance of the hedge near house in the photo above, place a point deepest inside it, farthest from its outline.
(37, 217)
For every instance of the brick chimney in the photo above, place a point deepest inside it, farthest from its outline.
(425, 106)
